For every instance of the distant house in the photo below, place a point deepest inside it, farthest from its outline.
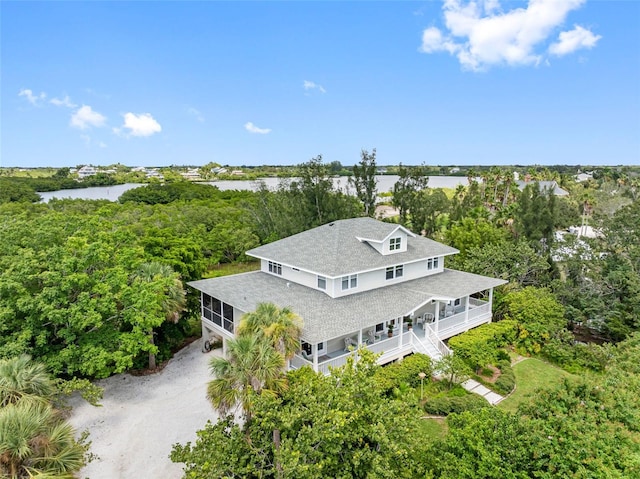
(192, 174)
(86, 171)
(237, 173)
(550, 186)
(354, 281)
(582, 177)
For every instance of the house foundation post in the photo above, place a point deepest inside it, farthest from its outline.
(314, 349)
(466, 312)
(490, 304)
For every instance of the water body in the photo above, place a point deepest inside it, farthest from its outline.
(112, 193)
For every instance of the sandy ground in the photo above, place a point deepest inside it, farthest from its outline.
(143, 416)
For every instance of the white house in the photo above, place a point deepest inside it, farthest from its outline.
(354, 281)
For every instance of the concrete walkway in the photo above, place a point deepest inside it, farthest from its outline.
(477, 388)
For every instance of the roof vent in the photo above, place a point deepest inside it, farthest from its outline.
(288, 285)
(331, 224)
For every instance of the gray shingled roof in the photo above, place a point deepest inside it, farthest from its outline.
(325, 317)
(334, 249)
(544, 185)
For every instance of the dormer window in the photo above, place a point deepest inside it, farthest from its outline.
(275, 268)
(322, 282)
(395, 244)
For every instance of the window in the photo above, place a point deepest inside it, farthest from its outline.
(456, 302)
(322, 282)
(275, 268)
(349, 282)
(432, 263)
(395, 244)
(394, 271)
(217, 312)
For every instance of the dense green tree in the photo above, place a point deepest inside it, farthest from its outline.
(427, 206)
(470, 233)
(339, 425)
(538, 314)
(168, 294)
(536, 216)
(411, 180)
(364, 181)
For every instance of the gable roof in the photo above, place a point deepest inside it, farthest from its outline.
(325, 317)
(551, 186)
(336, 249)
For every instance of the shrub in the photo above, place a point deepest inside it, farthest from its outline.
(506, 382)
(480, 346)
(445, 405)
(392, 376)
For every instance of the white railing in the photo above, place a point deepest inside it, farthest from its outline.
(455, 324)
(324, 366)
(418, 345)
(433, 338)
(473, 302)
(298, 362)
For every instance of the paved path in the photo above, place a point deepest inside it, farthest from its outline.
(477, 388)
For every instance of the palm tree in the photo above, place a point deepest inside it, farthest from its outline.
(36, 442)
(252, 366)
(174, 299)
(282, 327)
(22, 378)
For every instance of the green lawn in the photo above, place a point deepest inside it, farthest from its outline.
(531, 374)
(434, 429)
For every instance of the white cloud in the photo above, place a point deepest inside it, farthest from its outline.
(195, 113)
(66, 101)
(309, 85)
(480, 34)
(102, 144)
(569, 42)
(140, 125)
(251, 128)
(35, 100)
(85, 117)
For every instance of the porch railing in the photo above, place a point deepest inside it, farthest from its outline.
(433, 338)
(455, 324)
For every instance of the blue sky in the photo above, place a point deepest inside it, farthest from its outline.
(253, 83)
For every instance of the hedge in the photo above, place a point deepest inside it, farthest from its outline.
(480, 346)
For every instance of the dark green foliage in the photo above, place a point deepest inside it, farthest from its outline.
(412, 180)
(66, 290)
(445, 405)
(406, 372)
(364, 181)
(480, 346)
(538, 313)
(11, 190)
(163, 193)
(536, 216)
(322, 426)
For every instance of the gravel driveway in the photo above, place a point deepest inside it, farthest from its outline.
(143, 416)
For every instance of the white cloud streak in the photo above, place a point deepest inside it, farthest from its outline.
(195, 113)
(480, 34)
(569, 42)
(66, 101)
(309, 85)
(251, 128)
(84, 117)
(140, 125)
(35, 100)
